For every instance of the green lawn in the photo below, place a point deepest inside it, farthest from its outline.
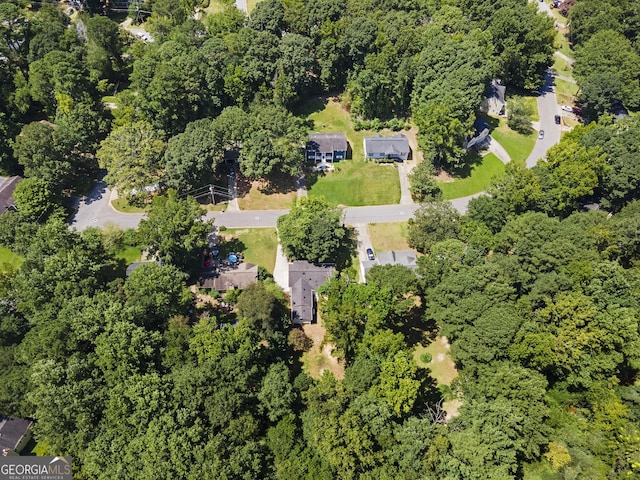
(355, 183)
(129, 254)
(562, 67)
(562, 44)
(518, 146)
(258, 245)
(10, 259)
(565, 92)
(251, 4)
(477, 181)
(121, 205)
(532, 102)
(388, 236)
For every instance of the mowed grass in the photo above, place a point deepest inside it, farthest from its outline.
(562, 44)
(442, 367)
(121, 205)
(356, 183)
(532, 102)
(478, 180)
(517, 145)
(251, 4)
(562, 67)
(259, 199)
(388, 236)
(9, 260)
(129, 254)
(565, 92)
(259, 245)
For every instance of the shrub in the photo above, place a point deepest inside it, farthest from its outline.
(425, 357)
(299, 340)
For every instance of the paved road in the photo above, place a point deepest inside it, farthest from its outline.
(547, 109)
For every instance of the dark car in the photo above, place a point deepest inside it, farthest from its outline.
(557, 119)
(370, 254)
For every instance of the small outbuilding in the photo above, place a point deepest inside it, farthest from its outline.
(387, 148)
(304, 279)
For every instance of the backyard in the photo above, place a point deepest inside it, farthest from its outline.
(354, 182)
(258, 245)
(388, 236)
(475, 181)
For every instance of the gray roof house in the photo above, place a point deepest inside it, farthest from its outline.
(304, 279)
(408, 258)
(15, 433)
(238, 276)
(327, 147)
(387, 148)
(7, 186)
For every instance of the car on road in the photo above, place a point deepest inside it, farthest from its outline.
(541, 134)
(567, 108)
(370, 254)
(557, 119)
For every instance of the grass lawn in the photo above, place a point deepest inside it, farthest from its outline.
(518, 146)
(388, 236)
(215, 6)
(260, 198)
(355, 183)
(8, 258)
(258, 245)
(442, 367)
(129, 254)
(477, 181)
(121, 205)
(562, 44)
(562, 67)
(532, 102)
(565, 92)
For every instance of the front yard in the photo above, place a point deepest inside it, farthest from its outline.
(477, 181)
(259, 195)
(258, 245)
(517, 145)
(356, 183)
(388, 236)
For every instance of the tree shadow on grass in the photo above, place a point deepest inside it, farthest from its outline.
(311, 176)
(471, 160)
(280, 183)
(232, 245)
(346, 252)
(416, 329)
(316, 104)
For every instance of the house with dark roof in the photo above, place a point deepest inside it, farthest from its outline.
(326, 148)
(7, 186)
(15, 433)
(387, 148)
(304, 279)
(408, 258)
(230, 277)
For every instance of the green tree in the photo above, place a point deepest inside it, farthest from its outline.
(312, 231)
(276, 394)
(422, 183)
(519, 115)
(173, 231)
(132, 155)
(432, 223)
(34, 198)
(262, 309)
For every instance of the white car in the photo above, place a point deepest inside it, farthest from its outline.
(567, 108)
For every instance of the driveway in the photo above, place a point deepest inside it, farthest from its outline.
(242, 6)
(363, 242)
(404, 169)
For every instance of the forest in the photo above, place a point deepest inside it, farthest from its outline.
(537, 286)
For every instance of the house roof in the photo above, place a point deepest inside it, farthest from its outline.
(304, 279)
(408, 258)
(328, 142)
(229, 277)
(11, 431)
(7, 186)
(389, 145)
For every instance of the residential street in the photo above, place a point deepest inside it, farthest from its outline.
(547, 109)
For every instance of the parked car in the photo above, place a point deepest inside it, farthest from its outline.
(541, 134)
(567, 108)
(557, 119)
(370, 254)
